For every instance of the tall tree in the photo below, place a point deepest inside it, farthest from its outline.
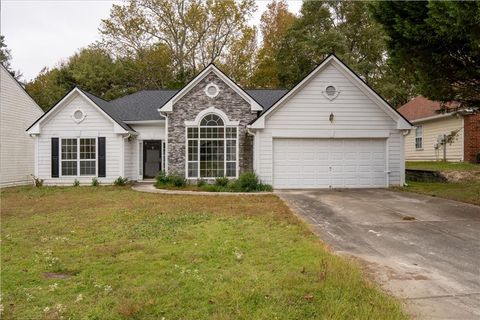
(239, 61)
(5, 57)
(197, 32)
(439, 42)
(274, 23)
(341, 27)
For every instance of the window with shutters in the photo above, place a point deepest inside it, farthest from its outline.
(78, 156)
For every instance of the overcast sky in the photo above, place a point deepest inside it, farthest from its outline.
(42, 33)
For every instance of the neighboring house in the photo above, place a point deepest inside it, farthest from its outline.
(425, 142)
(17, 112)
(330, 130)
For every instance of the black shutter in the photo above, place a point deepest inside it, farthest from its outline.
(101, 157)
(55, 159)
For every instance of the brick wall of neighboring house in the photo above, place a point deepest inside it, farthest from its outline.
(191, 104)
(472, 137)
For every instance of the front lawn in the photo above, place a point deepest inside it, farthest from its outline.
(113, 253)
(468, 192)
(442, 166)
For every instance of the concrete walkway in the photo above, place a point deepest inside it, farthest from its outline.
(432, 262)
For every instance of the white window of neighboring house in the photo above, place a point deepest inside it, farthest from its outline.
(212, 149)
(79, 157)
(419, 137)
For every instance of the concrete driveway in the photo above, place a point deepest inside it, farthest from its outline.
(433, 261)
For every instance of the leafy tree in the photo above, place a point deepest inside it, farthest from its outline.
(49, 86)
(438, 42)
(5, 57)
(196, 32)
(274, 23)
(239, 61)
(324, 27)
(347, 29)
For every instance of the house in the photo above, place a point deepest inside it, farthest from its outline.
(17, 111)
(460, 126)
(329, 131)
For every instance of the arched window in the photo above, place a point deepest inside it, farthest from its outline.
(212, 149)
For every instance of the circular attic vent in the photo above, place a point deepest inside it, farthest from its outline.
(212, 90)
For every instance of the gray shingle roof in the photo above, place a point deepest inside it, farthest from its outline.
(107, 107)
(143, 105)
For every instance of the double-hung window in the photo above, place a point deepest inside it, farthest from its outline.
(419, 137)
(212, 149)
(79, 156)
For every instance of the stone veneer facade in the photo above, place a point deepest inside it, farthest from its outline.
(195, 101)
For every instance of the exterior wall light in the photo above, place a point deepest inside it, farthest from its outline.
(331, 117)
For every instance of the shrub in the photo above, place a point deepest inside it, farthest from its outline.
(478, 157)
(162, 178)
(95, 182)
(76, 183)
(177, 180)
(201, 182)
(248, 182)
(264, 187)
(120, 181)
(221, 181)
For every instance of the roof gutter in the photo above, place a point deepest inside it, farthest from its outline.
(435, 117)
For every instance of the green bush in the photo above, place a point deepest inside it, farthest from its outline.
(95, 182)
(120, 181)
(162, 178)
(177, 180)
(201, 182)
(248, 182)
(76, 183)
(221, 181)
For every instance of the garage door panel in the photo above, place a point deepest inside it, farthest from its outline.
(325, 163)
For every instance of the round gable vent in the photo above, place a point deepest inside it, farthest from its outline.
(330, 92)
(78, 115)
(212, 90)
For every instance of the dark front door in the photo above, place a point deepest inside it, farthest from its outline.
(152, 158)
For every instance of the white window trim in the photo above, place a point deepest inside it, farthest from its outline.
(418, 137)
(78, 158)
(196, 124)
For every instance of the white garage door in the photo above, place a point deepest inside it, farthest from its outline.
(329, 163)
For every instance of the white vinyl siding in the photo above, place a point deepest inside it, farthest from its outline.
(17, 150)
(306, 114)
(430, 132)
(94, 125)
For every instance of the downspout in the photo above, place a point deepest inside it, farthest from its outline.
(254, 156)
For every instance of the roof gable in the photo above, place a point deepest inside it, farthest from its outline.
(99, 104)
(402, 123)
(168, 106)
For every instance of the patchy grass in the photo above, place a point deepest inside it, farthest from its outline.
(468, 192)
(121, 254)
(442, 166)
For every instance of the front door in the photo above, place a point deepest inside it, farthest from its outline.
(152, 158)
